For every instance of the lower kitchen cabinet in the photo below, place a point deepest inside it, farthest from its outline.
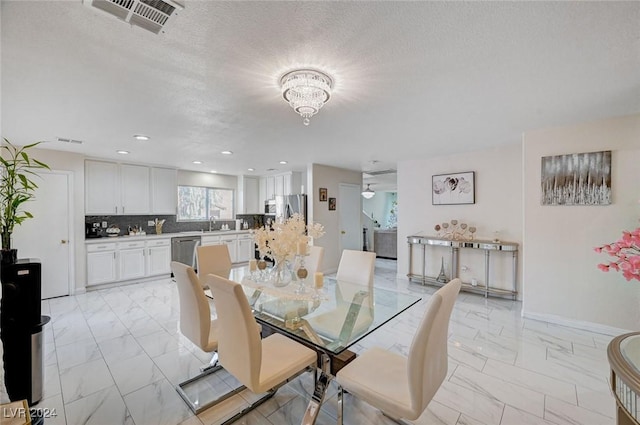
(131, 257)
(101, 263)
(123, 261)
(158, 257)
(246, 250)
(231, 241)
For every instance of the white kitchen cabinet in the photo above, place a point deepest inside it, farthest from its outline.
(262, 193)
(101, 263)
(279, 184)
(250, 196)
(210, 240)
(164, 191)
(131, 257)
(271, 187)
(102, 188)
(246, 249)
(158, 257)
(135, 189)
(231, 241)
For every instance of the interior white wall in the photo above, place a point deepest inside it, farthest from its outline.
(560, 273)
(66, 161)
(498, 180)
(328, 177)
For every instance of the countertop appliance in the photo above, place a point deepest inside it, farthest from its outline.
(183, 250)
(288, 205)
(91, 232)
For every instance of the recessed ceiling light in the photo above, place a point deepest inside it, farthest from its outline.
(123, 152)
(141, 137)
(283, 162)
(226, 153)
(197, 162)
(251, 169)
(213, 171)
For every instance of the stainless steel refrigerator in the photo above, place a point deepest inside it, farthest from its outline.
(286, 206)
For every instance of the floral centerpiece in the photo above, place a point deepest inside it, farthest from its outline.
(282, 242)
(626, 252)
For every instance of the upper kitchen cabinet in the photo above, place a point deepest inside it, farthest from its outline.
(164, 191)
(288, 183)
(135, 189)
(248, 195)
(118, 189)
(102, 188)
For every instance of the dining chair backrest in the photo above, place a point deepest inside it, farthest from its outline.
(314, 260)
(212, 258)
(427, 362)
(357, 267)
(195, 313)
(239, 345)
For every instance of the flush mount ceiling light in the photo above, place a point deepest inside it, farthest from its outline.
(368, 192)
(141, 137)
(197, 162)
(283, 162)
(306, 91)
(226, 153)
(123, 152)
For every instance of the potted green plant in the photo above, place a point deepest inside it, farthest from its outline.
(16, 188)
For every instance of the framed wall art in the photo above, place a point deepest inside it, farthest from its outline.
(323, 194)
(332, 204)
(453, 188)
(576, 179)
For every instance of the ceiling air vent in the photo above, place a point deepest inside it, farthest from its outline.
(151, 15)
(379, 173)
(73, 141)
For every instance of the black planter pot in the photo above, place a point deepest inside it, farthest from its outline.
(8, 256)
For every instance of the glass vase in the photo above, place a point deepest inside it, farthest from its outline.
(281, 273)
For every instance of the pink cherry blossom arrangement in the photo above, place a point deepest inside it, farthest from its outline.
(626, 251)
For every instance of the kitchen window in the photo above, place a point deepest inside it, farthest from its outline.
(203, 203)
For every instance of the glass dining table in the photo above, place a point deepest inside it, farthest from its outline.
(328, 319)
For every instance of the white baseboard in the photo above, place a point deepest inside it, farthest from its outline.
(574, 323)
(79, 291)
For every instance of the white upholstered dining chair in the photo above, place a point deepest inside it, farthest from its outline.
(212, 258)
(195, 322)
(355, 272)
(402, 387)
(260, 365)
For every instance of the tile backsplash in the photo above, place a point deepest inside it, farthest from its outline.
(171, 225)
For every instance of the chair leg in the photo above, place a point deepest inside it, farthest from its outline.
(212, 363)
(398, 421)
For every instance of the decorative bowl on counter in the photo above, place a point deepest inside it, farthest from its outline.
(113, 231)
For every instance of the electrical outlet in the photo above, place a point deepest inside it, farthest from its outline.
(96, 225)
(104, 224)
(151, 223)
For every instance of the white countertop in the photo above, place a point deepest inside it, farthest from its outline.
(149, 236)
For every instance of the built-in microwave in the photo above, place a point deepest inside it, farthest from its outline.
(270, 206)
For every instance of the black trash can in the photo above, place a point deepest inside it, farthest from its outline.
(21, 330)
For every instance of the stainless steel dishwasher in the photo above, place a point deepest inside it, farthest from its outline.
(183, 249)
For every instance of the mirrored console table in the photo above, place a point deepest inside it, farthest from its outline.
(422, 242)
(624, 358)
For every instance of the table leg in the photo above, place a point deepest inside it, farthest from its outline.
(486, 273)
(313, 408)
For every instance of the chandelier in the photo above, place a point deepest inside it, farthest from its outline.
(368, 192)
(306, 90)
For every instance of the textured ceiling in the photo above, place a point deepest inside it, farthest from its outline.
(413, 79)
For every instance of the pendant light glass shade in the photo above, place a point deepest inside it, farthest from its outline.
(368, 193)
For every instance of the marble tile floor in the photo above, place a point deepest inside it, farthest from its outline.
(114, 356)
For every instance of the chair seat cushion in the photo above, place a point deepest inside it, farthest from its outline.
(281, 359)
(329, 324)
(380, 378)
